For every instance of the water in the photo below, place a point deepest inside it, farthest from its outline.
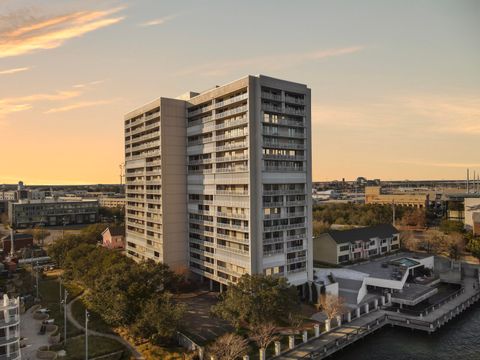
(458, 339)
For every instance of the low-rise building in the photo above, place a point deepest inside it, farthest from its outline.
(114, 237)
(375, 195)
(20, 241)
(472, 214)
(112, 202)
(30, 213)
(343, 246)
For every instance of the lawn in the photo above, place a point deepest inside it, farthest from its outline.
(95, 321)
(50, 295)
(97, 346)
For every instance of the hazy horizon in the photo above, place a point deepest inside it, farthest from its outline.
(395, 86)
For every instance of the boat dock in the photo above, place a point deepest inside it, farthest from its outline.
(366, 322)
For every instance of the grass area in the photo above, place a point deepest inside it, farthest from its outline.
(97, 346)
(49, 291)
(95, 321)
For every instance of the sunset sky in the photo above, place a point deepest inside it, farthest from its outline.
(395, 84)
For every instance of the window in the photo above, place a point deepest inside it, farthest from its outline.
(344, 247)
(343, 258)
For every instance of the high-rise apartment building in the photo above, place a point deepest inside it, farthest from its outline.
(232, 181)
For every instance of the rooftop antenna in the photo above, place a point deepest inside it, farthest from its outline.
(468, 181)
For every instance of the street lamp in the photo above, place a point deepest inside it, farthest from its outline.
(65, 317)
(36, 272)
(87, 315)
(60, 302)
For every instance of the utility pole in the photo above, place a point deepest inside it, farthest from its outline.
(65, 317)
(87, 314)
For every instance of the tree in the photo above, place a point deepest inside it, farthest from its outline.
(159, 320)
(331, 305)
(257, 299)
(39, 234)
(474, 247)
(228, 347)
(408, 241)
(264, 334)
(415, 217)
(449, 226)
(454, 245)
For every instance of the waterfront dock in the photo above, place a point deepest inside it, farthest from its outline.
(430, 320)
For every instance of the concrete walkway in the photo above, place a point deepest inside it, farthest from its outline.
(330, 338)
(121, 340)
(29, 328)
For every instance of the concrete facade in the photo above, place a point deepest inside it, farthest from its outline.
(472, 214)
(30, 213)
(374, 195)
(155, 183)
(242, 181)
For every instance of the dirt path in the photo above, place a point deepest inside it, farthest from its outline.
(129, 346)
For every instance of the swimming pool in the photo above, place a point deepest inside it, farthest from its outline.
(405, 262)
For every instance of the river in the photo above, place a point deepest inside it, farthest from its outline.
(458, 339)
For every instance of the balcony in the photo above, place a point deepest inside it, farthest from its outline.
(283, 169)
(200, 121)
(200, 172)
(295, 248)
(278, 145)
(232, 250)
(297, 259)
(273, 252)
(232, 146)
(200, 161)
(284, 192)
(231, 193)
(294, 100)
(271, 107)
(235, 111)
(274, 240)
(232, 100)
(273, 204)
(232, 135)
(232, 123)
(232, 227)
(271, 96)
(200, 110)
(231, 238)
(232, 169)
(231, 158)
(232, 215)
(294, 111)
(284, 227)
(284, 157)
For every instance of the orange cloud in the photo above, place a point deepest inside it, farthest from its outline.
(22, 103)
(79, 105)
(40, 34)
(159, 21)
(13, 71)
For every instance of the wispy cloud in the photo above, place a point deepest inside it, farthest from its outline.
(13, 71)
(270, 62)
(159, 21)
(79, 105)
(32, 33)
(88, 84)
(22, 103)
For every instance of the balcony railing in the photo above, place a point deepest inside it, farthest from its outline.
(232, 100)
(231, 112)
(232, 123)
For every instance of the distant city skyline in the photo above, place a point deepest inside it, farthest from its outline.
(395, 88)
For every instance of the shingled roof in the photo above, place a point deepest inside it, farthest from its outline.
(382, 231)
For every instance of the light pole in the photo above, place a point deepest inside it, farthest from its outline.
(60, 302)
(87, 314)
(36, 273)
(65, 317)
